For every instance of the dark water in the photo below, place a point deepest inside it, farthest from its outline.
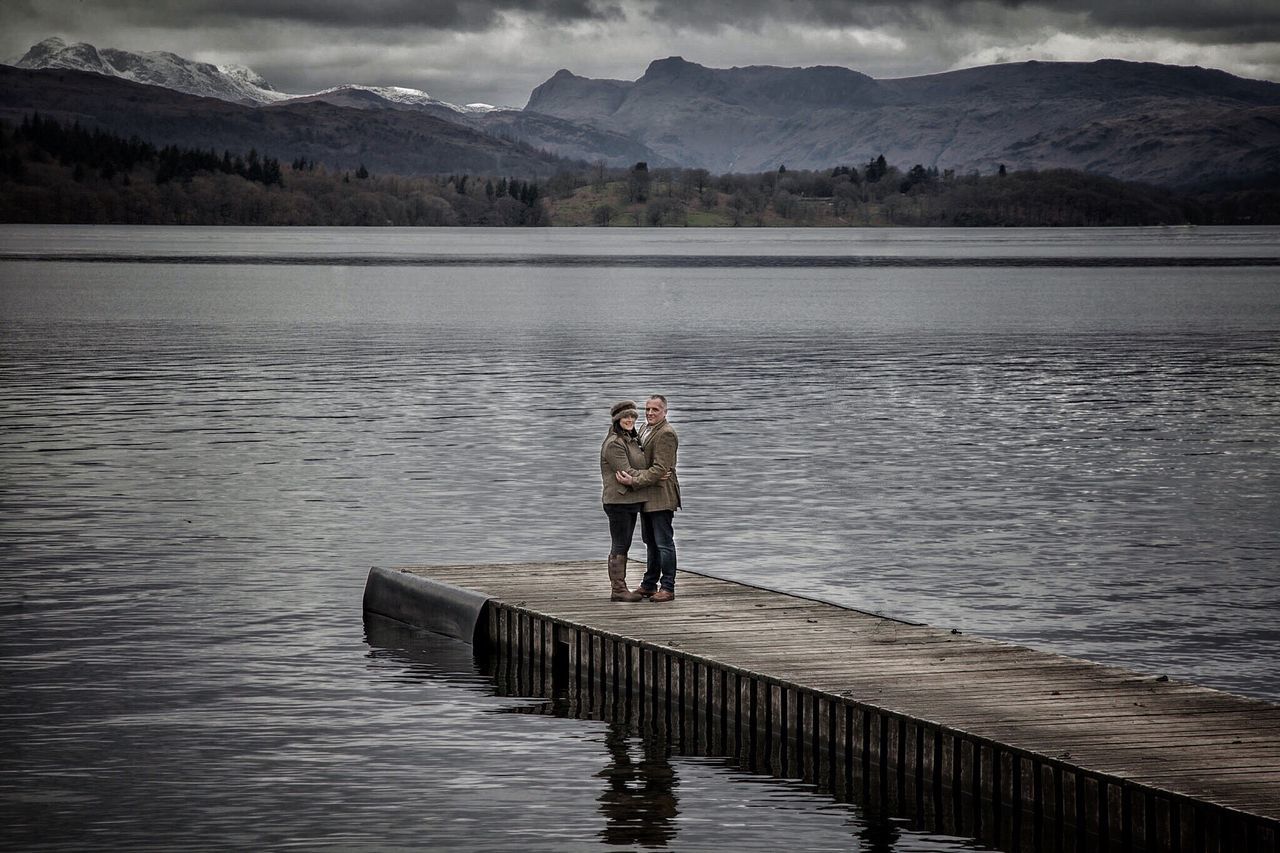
(200, 461)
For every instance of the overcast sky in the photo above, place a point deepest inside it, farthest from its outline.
(496, 51)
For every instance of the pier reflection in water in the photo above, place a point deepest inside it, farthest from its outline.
(671, 778)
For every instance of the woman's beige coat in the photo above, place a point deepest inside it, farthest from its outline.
(620, 453)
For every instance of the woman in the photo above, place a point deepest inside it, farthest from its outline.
(620, 452)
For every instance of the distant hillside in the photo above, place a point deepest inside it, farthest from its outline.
(407, 142)
(1176, 127)
(547, 133)
(1135, 121)
(56, 172)
(242, 85)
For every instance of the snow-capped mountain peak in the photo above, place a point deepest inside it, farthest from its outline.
(404, 96)
(236, 83)
(55, 53)
(246, 75)
(394, 94)
(155, 68)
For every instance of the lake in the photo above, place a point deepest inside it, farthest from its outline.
(1063, 438)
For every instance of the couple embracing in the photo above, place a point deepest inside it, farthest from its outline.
(639, 474)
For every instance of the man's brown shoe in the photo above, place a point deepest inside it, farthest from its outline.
(663, 595)
(645, 593)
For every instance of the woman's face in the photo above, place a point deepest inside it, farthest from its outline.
(627, 423)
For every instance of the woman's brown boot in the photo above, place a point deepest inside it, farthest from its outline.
(618, 580)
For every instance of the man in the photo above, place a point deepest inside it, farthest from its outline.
(663, 499)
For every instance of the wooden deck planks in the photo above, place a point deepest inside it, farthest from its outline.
(1187, 740)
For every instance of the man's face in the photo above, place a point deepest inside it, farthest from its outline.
(655, 411)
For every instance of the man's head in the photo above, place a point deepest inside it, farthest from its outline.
(655, 409)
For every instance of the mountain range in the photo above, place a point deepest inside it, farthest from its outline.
(1168, 125)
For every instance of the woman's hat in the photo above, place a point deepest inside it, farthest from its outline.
(625, 409)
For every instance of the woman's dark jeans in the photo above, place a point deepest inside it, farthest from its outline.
(622, 526)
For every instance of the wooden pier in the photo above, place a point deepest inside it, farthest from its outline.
(1024, 750)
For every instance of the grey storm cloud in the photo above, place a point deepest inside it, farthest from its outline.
(1192, 18)
(1198, 20)
(460, 15)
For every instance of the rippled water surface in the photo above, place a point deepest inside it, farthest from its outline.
(201, 461)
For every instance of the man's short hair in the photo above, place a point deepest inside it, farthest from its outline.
(658, 397)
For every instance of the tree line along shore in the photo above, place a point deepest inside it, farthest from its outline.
(51, 172)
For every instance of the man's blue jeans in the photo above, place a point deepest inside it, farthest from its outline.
(660, 544)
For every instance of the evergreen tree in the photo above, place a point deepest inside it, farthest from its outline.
(876, 169)
(638, 182)
(254, 172)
